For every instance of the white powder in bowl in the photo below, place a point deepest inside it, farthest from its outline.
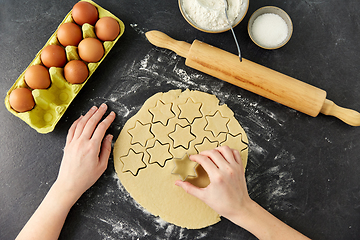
(210, 14)
(269, 30)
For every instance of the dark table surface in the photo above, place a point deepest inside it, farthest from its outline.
(304, 170)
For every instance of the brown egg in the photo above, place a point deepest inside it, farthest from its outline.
(37, 77)
(91, 50)
(21, 100)
(53, 56)
(84, 12)
(76, 72)
(69, 34)
(107, 29)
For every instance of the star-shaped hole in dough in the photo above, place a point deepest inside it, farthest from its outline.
(133, 162)
(190, 110)
(184, 167)
(140, 133)
(217, 124)
(182, 136)
(161, 112)
(159, 153)
(206, 145)
(234, 142)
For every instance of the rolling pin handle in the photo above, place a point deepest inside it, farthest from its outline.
(348, 116)
(162, 40)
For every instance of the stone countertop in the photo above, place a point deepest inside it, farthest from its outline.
(302, 169)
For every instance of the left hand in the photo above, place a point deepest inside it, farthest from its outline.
(86, 152)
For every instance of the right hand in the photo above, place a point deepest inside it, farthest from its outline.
(227, 192)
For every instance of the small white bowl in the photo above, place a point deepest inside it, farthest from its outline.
(279, 12)
(238, 19)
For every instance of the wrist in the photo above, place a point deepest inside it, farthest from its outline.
(244, 214)
(64, 196)
(263, 224)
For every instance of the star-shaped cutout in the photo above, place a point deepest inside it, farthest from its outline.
(159, 153)
(133, 162)
(234, 142)
(216, 124)
(206, 145)
(182, 136)
(140, 133)
(161, 132)
(190, 110)
(184, 167)
(162, 112)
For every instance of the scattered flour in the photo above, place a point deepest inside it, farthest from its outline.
(127, 196)
(137, 29)
(122, 227)
(161, 69)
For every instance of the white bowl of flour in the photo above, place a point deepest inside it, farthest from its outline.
(209, 15)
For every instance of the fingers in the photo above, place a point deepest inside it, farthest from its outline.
(88, 124)
(227, 153)
(216, 156)
(191, 189)
(237, 156)
(105, 151)
(81, 124)
(100, 130)
(239, 161)
(208, 165)
(71, 131)
(93, 121)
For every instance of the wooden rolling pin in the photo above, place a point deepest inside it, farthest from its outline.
(255, 78)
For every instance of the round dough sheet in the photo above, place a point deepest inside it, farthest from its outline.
(151, 152)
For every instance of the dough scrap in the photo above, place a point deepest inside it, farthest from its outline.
(182, 136)
(190, 110)
(159, 153)
(162, 112)
(217, 124)
(170, 126)
(133, 162)
(140, 133)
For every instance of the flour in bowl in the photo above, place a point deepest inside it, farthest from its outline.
(210, 14)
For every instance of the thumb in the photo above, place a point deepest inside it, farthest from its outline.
(190, 189)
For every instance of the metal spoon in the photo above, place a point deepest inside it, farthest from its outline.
(232, 30)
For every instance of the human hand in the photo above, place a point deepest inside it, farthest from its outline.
(227, 192)
(86, 152)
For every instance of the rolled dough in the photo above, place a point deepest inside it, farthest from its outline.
(168, 127)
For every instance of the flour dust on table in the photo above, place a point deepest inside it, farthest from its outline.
(161, 70)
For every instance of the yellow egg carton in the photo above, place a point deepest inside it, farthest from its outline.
(51, 103)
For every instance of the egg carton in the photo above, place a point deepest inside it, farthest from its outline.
(51, 103)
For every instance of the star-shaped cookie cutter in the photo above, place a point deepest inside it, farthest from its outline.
(183, 167)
